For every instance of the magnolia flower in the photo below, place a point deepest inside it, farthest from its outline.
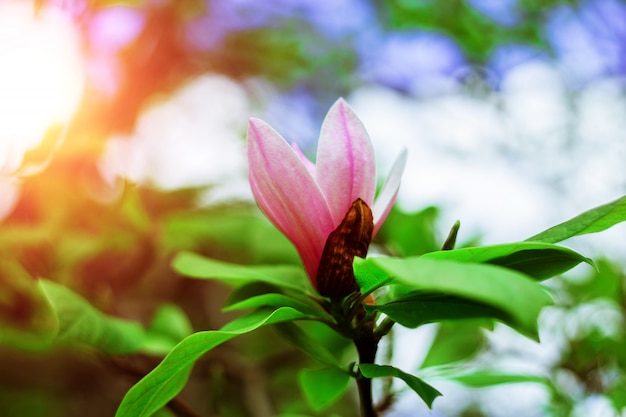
(307, 201)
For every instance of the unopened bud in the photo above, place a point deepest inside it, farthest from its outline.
(335, 276)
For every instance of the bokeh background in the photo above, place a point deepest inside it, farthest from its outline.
(122, 137)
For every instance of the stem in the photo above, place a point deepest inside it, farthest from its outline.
(384, 327)
(366, 346)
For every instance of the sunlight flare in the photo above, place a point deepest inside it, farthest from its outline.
(41, 77)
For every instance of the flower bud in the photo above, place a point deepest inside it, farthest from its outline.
(335, 276)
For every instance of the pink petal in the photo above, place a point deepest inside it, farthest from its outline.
(345, 163)
(287, 193)
(388, 193)
(310, 166)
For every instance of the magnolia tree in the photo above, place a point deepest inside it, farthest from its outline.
(329, 212)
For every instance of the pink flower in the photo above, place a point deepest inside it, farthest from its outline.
(307, 201)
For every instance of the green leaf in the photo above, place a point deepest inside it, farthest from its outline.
(369, 276)
(592, 221)
(417, 309)
(421, 388)
(482, 379)
(536, 259)
(276, 301)
(169, 377)
(455, 341)
(284, 276)
(169, 326)
(411, 234)
(80, 322)
(509, 291)
(308, 345)
(322, 387)
(250, 290)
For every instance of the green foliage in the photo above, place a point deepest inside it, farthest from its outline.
(418, 308)
(510, 292)
(538, 260)
(594, 353)
(322, 387)
(284, 276)
(421, 388)
(475, 33)
(233, 233)
(260, 294)
(81, 323)
(292, 53)
(27, 319)
(605, 283)
(115, 249)
(455, 342)
(275, 300)
(410, 234)
(169, 326)
(479, 379)
(170, 376)
(312, 347)
(591, 221)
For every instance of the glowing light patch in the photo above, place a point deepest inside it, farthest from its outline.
(41, 77)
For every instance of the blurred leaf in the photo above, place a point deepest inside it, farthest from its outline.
(592, 221)
(419, 308)
(535, 6)
(289, 53)
(322, 387)
(455, 341)
(509, 291)
(410, 234)
(605, 282)
(312, 347)
(231, 232)
(27, 320)
(476, 34)
(166, 380)
(479, 379)
(169, 326)
(80, 322)
(284, 276)
(538, 260)
(616, 393)
(331, 339)
(171, 320)
(421, 388)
